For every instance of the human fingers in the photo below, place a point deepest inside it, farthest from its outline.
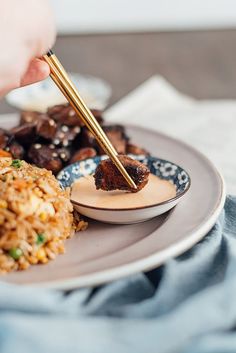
(38, 70)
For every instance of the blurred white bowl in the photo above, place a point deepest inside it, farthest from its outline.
(39, 96)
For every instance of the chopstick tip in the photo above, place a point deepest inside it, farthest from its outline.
(132, 184)
(50, 53)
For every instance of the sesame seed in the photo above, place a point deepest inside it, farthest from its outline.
(37, 146)
(63, 155)
(51, 122)
(76, 129)
(71, 137)
(71, 113)
(64, 128)
(56, 142)
(54, 154)
(61, 135)
(65, 143)
(51, 146)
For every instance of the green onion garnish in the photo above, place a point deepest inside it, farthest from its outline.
(16, 163)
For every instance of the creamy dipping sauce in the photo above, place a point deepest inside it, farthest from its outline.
(157, 190)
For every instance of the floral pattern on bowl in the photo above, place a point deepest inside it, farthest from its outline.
(159, 167)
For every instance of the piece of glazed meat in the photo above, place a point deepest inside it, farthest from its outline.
(118, 138)
(65, 114)
(17, 151)
(5, 138)
(83, 153)
(46, 128)
(134, 149)
(25, 134)
(107, 176)
(115, 133)
(65, 135)
(45, 157)
(27, 117)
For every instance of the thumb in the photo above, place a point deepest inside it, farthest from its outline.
(38, 70)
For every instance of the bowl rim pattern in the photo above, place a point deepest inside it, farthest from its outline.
(143, 158)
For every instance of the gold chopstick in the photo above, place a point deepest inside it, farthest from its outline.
(64, 83)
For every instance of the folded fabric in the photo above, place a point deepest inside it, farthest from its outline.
(186, 306)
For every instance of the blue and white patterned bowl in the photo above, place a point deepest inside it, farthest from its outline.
(164, 169)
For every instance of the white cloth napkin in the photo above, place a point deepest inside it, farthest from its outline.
(208, 125)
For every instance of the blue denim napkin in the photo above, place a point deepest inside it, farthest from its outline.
(187, 306)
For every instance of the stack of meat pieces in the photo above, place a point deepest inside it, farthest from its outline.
(57, 138)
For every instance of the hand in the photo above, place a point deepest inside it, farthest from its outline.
(37, 70)
(27, 31)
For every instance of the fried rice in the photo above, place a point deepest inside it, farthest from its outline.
(36, 216)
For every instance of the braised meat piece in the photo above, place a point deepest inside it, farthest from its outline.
(83, 153)
(107, 176)
(8, 143)
(115, 133)
(65, 135)
(87, 139)
(64, 114)
(133, 149)
(46, 128)
(45, 157)
(64, 154)
(117, 136)
(30, 117)
(5, 138)
(98, 115)
(17, 151)
(25, 134)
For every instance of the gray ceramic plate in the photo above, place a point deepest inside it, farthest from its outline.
(106, 252)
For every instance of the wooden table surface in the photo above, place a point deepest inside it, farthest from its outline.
(201, 64)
